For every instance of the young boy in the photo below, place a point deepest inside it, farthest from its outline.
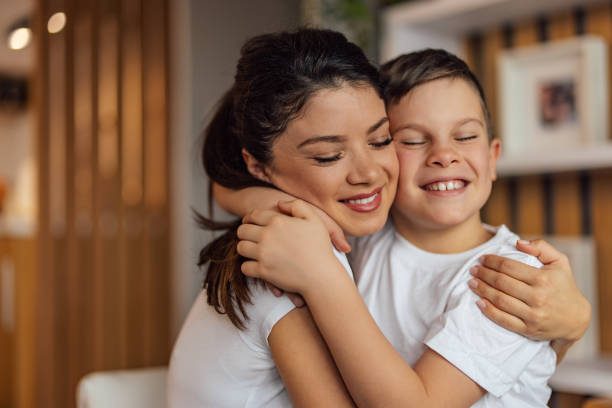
(413, 275)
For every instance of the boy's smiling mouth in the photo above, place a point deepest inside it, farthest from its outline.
(445, 185)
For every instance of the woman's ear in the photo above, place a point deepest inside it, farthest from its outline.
(254, 167)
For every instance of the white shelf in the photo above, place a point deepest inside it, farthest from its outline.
(443, 23)
(551, 161)
(589, 377)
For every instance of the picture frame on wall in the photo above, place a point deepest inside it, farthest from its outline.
(554, 96)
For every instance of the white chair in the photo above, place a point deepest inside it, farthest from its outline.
(136, 388)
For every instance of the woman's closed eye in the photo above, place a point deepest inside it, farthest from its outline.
(382, 143)
(327, 159)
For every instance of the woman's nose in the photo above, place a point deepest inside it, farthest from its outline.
(364, 170)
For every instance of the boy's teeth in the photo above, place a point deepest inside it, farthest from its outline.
(363, 200)
(445, 185)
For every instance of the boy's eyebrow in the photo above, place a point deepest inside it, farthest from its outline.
(416, 126)
(467, 120)
(319, 139)
(378, 124)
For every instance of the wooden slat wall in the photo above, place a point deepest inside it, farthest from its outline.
(103, 275)
(571, 203)
(568, 203)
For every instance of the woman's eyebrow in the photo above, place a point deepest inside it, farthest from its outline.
(378, 124)
(319, 139)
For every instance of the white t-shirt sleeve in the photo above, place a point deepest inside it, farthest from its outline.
(490, 355)
(264, 312)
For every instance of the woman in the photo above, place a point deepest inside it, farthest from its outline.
(299, 102)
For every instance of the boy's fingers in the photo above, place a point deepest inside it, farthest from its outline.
(250, 268)
(502, 282)
(249, 232)
(510, 267)
(247, 249)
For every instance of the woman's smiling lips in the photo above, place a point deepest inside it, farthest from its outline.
(364, 202)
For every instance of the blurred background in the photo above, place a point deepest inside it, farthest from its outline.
(101, 107)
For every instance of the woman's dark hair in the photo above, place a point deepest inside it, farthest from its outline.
(276, 75)
(404, 73)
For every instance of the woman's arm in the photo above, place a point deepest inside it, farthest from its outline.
(375, 374)
(304, 363)
(542, 304)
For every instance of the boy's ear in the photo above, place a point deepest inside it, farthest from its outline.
(494, 153)
(254, 167)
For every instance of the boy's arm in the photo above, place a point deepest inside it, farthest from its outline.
(240, 202)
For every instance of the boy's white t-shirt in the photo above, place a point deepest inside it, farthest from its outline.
(214, 364)
(420, 299)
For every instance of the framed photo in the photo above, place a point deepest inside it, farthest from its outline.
(554, 96)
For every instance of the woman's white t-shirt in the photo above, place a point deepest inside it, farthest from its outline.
(214, 364)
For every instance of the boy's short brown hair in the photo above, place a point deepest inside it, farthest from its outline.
(404, 73)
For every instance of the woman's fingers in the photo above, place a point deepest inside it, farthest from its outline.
(249, 232)
(502, 301)
(297, 208)
(541, 249)
(261, 217)
(510, 267)
(502, 318)
(504, 283)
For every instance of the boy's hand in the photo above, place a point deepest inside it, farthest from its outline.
(542, 304)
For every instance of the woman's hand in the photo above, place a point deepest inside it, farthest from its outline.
(290, 250)
(542, 304)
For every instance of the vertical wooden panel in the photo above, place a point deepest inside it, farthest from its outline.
(25, 322)
(6, 334)
(133, 265)
(156, 181)
(104, 281)
(599, 22)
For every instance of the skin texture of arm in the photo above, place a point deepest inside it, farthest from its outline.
(375, 374)
(304, 363)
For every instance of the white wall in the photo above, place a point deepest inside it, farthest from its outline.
(206, 36)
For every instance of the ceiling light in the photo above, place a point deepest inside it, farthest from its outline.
(19, 38)
(56, 23)
(19, 35)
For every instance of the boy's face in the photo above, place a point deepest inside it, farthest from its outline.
(447, 164)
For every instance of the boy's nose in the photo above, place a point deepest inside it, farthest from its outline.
(442, 157)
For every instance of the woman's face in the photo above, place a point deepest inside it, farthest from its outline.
(337, 154)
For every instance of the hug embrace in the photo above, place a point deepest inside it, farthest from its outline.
(323, 155)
